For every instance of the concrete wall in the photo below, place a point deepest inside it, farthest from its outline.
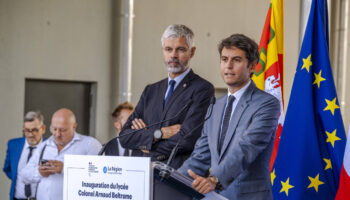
(49, 39)
(211, 21)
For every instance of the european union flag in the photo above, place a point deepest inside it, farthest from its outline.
(312, 144)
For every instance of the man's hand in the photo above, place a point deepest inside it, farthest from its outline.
(170, 131)
(51, 167)
(44, 170)
(138, 124)
(201, 184)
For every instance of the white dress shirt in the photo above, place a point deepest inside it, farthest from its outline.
(19, 189)
(51, 187)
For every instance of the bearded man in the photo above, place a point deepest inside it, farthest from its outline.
(181, 100)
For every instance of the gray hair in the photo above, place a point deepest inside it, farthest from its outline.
(177, 31)
(32, 115)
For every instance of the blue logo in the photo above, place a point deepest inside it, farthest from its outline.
(105, 169)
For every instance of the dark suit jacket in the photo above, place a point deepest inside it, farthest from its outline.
(13, 154)
(112, 149)
(150, 109)
(243, 165)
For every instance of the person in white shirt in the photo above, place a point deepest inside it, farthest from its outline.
(46, 165)
(19, 150)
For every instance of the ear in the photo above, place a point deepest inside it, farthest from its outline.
(117, 125)
(44, 128)
(193, 50)
(75, 125)
(252, 66)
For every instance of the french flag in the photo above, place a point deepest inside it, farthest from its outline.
(344, 184)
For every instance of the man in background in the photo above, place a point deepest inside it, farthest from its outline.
(19, 151)
(64, 140)
(120, 114)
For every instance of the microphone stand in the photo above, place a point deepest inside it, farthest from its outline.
(136, 130)
(166, 170)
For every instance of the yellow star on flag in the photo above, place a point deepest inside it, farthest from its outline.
(331, 105)
(286, 186)
(307, 63)
(331, 137)
(273, 176)
(318, 79)
(315, 182)
(328, 162)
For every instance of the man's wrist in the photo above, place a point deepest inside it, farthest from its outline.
(216, 181)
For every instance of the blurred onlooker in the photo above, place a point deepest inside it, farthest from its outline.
(64, 140)
(19, 150)
(120, 114)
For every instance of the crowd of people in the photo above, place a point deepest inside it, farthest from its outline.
(229, 153)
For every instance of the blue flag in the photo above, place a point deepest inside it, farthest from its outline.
(312, 144)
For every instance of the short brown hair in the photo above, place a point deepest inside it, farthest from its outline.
(120, 107)
(240, 41)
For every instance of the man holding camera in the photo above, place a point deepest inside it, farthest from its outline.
(46, 165)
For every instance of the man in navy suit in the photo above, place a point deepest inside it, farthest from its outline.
(19, 150)
(182, 99)
(236, 142)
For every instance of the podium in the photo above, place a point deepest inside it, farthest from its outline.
(89, 177)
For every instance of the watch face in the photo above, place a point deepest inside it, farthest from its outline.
(158, 134)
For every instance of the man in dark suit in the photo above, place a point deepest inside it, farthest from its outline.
(120, 114)
(236, 142)
(19, 150)
(183, 95)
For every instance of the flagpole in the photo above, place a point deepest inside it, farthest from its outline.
(304, 15)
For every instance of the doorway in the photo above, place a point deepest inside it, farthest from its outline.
(48, 96)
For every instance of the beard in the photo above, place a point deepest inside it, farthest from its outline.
(175, 66)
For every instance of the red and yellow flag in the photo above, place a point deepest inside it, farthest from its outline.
(268, 74)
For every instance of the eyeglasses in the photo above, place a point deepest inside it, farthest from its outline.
(34, 130)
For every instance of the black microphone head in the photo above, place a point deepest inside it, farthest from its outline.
(212, 100)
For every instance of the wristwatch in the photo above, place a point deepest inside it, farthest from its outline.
(215, 180)
(157, 134)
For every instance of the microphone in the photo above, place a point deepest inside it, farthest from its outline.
(103, 149)
(165, 171)
(136, 130)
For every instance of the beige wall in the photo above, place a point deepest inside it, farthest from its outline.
(50, 39)
(211, 21)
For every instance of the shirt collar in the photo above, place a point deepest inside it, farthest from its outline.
(26, 144)
(239, 93)
(76, 137)
(180, 77)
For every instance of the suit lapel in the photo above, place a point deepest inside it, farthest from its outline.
(236, 116)
(217, 114)
(184, 84)
(17, 153)
(161, 95)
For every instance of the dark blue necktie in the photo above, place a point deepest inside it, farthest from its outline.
(171, 90)
(27, 189)
(225, 122)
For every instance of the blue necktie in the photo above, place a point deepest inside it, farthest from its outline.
(27, 189)
(171, 90)
(225, 122)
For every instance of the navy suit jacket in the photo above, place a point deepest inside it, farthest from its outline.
(13, 154)
(193, 89)
(242, 167)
